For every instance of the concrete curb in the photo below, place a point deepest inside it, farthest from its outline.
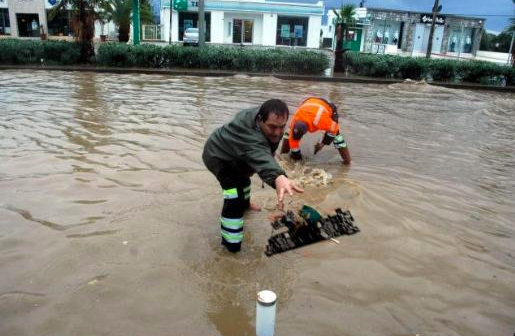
(216, 73)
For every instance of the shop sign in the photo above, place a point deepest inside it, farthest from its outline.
(428, 18)
(285, 31)
(298, 31)
(180, 5)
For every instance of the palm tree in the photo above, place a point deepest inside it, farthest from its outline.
(120, 11)
(343, 21)
(82, 22)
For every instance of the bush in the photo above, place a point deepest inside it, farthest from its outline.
(413, 67)
(509, 73)
(16, 51)
(150, 56)
(442, 70)
(420, 68)
(213, 57)
(116, 54)
(478, 72)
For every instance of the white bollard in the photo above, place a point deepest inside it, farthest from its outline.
(265, 313)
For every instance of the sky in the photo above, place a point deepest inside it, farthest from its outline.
(496, 12)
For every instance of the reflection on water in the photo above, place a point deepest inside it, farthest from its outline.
(108, 214)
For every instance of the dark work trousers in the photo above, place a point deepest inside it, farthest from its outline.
(235, 184)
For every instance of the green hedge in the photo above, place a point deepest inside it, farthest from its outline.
(392, 66)
(212, 57)
(15, 51)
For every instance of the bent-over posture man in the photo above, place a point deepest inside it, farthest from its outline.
(315, 114)
(240, 148)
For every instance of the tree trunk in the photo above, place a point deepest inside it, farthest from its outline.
(123, 33)
(338, 57)
(84, 26)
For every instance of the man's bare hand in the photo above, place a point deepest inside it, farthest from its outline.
(284, 185)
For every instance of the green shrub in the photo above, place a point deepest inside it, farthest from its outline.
(419, 68)
(150, 56)
(116, 54)
(442, 69)
(478, 71)
(413, 67)
(509, 73)
(15, 51)
(213, 57)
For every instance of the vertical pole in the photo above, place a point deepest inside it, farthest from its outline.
(201, 24)
(170, 28)
(510, 54)
(265, 313)
(135, 22)
(432, 31)
(461, 41)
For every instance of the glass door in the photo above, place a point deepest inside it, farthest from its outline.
(242, 31)
(247, 33)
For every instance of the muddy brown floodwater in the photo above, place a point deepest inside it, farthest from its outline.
(109, 220)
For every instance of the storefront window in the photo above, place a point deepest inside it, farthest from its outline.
(5, 26)
(28, 25)
(59, 25)
(386, 32)
(292, 31)
(461, 40)
(190, 20)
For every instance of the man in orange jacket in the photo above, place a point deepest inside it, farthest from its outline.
(315, 114)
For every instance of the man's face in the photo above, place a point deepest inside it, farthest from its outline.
(273, 127)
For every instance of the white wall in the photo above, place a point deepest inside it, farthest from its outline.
(314, 25)
(257, 29)
(217, 27)
(492, 56)
(269, 29)
(165, 22)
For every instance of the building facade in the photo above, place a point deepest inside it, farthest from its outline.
(407, 33)
(248, 22)
(31, 18)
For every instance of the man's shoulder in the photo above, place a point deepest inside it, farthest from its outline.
(246, 116)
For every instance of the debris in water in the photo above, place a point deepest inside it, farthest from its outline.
(308, 227)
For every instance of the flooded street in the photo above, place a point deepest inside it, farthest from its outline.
(109, 219)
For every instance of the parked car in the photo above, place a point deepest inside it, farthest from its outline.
(190, 36)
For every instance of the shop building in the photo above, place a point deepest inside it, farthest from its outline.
(31, 18)
(407, 33)
(250, 22)
(22, 18)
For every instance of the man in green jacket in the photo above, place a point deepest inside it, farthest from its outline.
(240, 148)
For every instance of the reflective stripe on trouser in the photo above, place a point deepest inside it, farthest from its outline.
(339, 142)
(236, 201)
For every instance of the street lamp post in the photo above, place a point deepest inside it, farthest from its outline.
(135, 22)
(201, 24)
(170, 28)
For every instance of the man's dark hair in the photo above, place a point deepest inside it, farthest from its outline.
(275, 106)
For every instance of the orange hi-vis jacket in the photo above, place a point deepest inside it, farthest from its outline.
(316, 114)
